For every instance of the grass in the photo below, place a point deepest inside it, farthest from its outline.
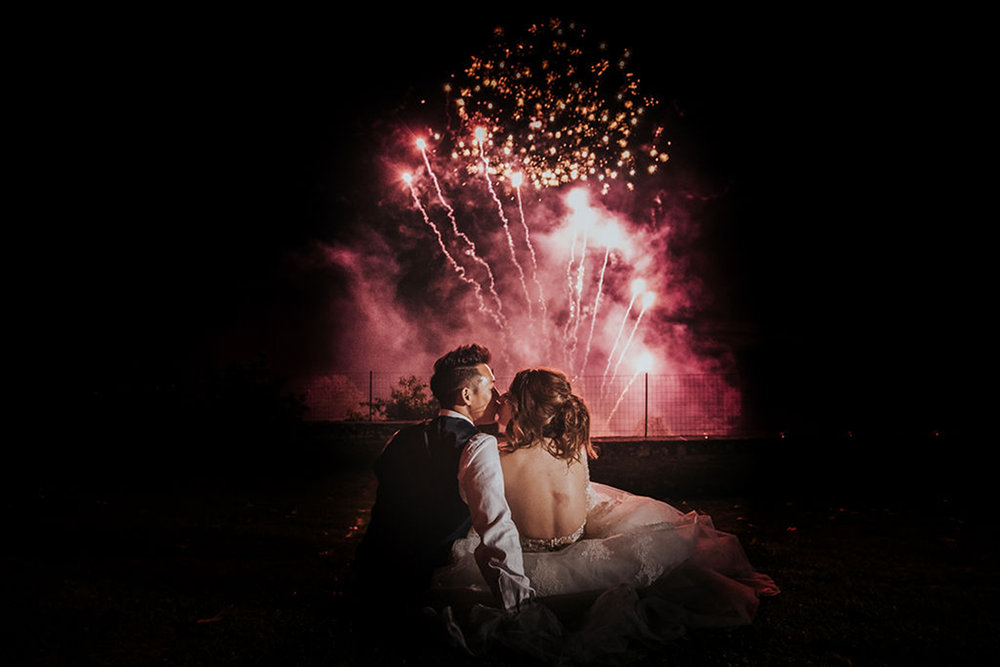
(258, 572)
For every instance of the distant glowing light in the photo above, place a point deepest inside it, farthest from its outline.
(644, 362)
(480, 135)
(577, 199)
(648, 299)
(611, 235)
(583, 219)
(638, 286)
(421, 144)
(516, 179)
(407, 178)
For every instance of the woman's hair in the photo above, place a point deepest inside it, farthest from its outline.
(543, 406)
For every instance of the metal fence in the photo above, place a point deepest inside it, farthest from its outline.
(643, 405)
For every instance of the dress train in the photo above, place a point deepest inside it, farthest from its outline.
(644, 572)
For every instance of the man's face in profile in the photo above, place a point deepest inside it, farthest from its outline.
(484, 403)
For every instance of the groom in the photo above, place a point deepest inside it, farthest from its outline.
(435, 480)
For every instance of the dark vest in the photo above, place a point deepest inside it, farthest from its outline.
(418, 511)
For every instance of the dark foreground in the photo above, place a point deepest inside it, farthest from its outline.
(253, 567)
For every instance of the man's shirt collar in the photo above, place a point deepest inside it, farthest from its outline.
(444, 412)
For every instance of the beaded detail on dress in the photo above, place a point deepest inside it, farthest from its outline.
(551, 543)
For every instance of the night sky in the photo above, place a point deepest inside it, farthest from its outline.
(190, 163)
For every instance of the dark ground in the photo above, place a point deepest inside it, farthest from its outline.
(256, 568)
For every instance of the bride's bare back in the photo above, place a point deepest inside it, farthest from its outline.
(547, 495)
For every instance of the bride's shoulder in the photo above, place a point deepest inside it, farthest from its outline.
(537, 457)
(510, 452)
(526, 456)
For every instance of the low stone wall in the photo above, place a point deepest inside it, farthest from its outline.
(771, 469)
(368, 434)
(688, 467)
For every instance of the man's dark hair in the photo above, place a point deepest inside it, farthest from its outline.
(457, 369)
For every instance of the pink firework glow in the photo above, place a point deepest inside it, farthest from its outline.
(589, 283)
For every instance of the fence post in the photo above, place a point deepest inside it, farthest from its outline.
(645, 411)
(371, 418)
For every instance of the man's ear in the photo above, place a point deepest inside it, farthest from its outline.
(466, 395)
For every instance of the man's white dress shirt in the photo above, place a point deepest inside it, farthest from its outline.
(480, 483)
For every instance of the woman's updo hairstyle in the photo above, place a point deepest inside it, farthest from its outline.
(544, 408)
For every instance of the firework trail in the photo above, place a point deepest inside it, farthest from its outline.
(460, 270)
(516, 181)
(647, 301)
(611, 354)
(569, 283)
(638, 285)
(481, 139)
(471, 252)
(581, 272)
(597, 303)
(622, 395)
(576, 294)
(582, 217)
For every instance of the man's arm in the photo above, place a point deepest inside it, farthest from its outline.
(480, 481)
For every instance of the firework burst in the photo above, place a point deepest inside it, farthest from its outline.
(557, 107)
(541, 132)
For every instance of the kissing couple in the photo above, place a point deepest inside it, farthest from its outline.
(511, 524)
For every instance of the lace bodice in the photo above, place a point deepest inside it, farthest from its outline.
(532, 544)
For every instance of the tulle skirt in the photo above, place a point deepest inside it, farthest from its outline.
(643, 571)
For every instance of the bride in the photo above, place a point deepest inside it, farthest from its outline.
(544, 459)
(632, 566)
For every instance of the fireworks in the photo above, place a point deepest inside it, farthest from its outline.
(557, 108)
(563, 119)
(643, 364)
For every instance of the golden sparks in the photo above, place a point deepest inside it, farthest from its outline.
(555, 108)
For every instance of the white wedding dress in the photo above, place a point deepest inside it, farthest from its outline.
(643, 571)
